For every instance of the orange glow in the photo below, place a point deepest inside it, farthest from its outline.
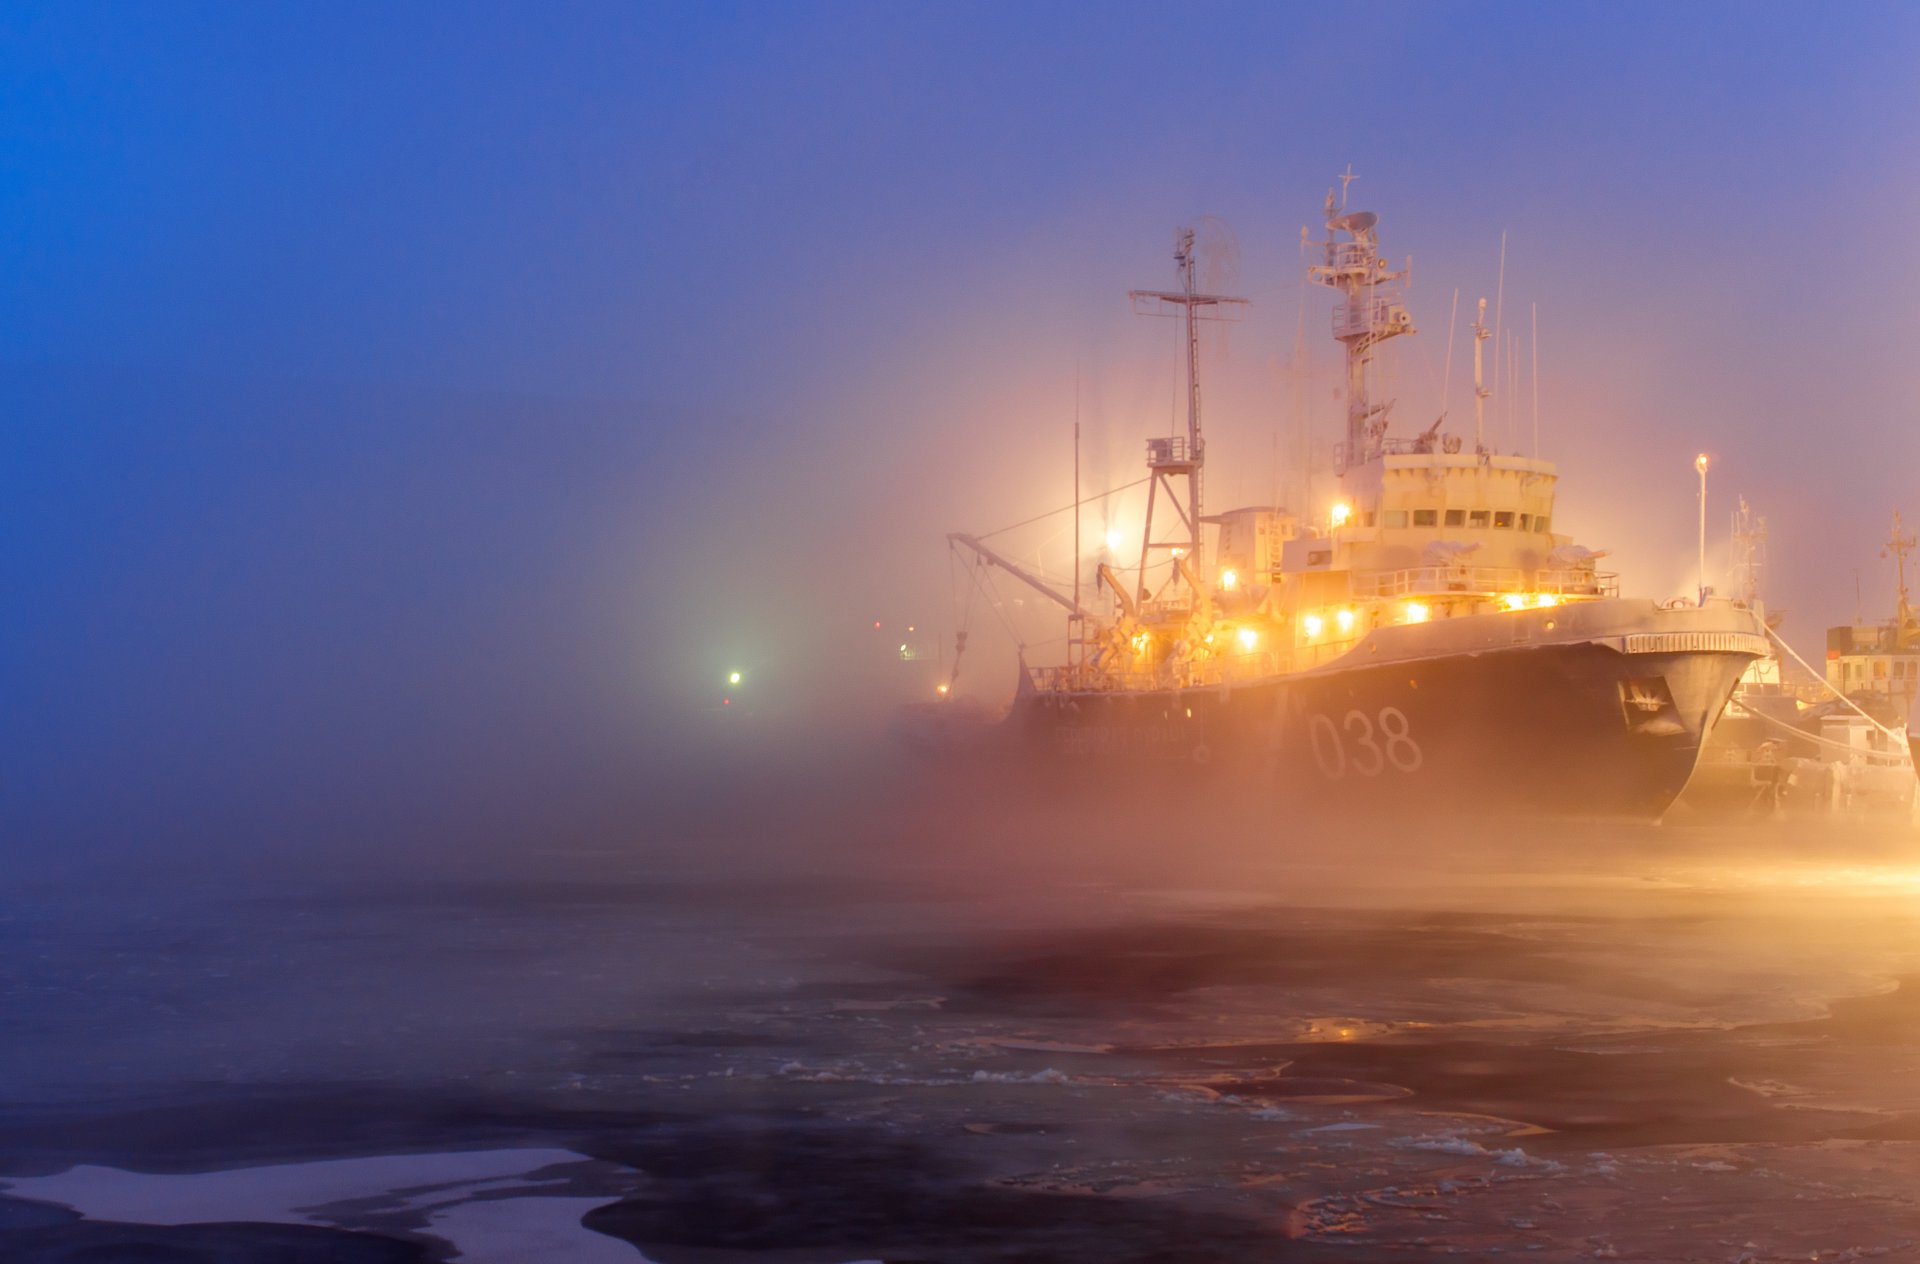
(1314, 624)
(1248, 638)
(1417, 613)
(1345, 620)
(1228, 579)
(1341, 512)
(1515, 601)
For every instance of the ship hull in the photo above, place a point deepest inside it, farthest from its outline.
(1569, 725)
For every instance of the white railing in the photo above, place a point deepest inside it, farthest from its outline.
(1174, 450)
(1487, 580)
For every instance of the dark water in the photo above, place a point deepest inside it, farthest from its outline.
(1049, 1044)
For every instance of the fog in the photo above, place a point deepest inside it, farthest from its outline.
(412, 417)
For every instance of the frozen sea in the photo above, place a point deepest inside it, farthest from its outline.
(925, 1039)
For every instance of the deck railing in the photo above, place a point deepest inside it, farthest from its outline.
(1489, 581)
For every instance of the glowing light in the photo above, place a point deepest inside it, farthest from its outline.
(726, 702)
(1515, 601)
(1417, 613)
(1113, 541)
(733, 678)
(876, 625)
(1341, 512)
(1345, 620)
(1141, 642)
(1228, 579)
(1700, 463)
(1546, 601)
(1179, 552)
(941, 690)
(1248, 638)
(1314, 624)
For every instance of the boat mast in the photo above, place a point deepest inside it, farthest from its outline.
(1749, 551)
(1899, 544)
(1171, 456)
(1370, 312)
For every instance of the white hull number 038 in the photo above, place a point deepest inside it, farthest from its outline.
(1363, 744)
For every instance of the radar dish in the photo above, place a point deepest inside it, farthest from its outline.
(1355, 221)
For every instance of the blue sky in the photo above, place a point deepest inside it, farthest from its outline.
(405, 378)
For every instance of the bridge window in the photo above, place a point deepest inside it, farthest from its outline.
(1478, 518)
(1503, 519)
(1396, 518)
(1526, 522)
(1368, 519)
(1540, 524)
(1426, 517)
(1456, 517)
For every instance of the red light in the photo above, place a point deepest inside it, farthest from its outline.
(726, 702)
(876, 625)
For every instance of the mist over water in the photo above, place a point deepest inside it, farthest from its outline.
(413, 420)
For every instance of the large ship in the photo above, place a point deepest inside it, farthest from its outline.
(1430, 641)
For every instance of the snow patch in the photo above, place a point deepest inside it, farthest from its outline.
(1048, 1076)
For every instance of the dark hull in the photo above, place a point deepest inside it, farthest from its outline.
(1576, 729)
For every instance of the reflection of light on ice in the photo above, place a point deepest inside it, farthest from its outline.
(507, 1228)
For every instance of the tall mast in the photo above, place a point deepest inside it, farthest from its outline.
(1167, 457)
(1480, 391)
(1749, 553)
(1899, 544)
(1370, 312)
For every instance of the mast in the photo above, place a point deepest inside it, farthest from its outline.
(1899, 544)
(1370, 312)
(1749, 553)
(1480, 391)
(1171, 456)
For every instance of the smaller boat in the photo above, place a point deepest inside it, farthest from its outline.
(1823, 743)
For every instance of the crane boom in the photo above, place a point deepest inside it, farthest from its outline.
(1026, 577)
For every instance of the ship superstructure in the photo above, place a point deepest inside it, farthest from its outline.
(1878, 664)
(1429, 636)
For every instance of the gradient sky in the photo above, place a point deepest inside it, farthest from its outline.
(426, 403)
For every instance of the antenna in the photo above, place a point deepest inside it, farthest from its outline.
(1446, 376)
(1536, 382)
(1480, 391)
(1499, 305)
(1077, 560)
